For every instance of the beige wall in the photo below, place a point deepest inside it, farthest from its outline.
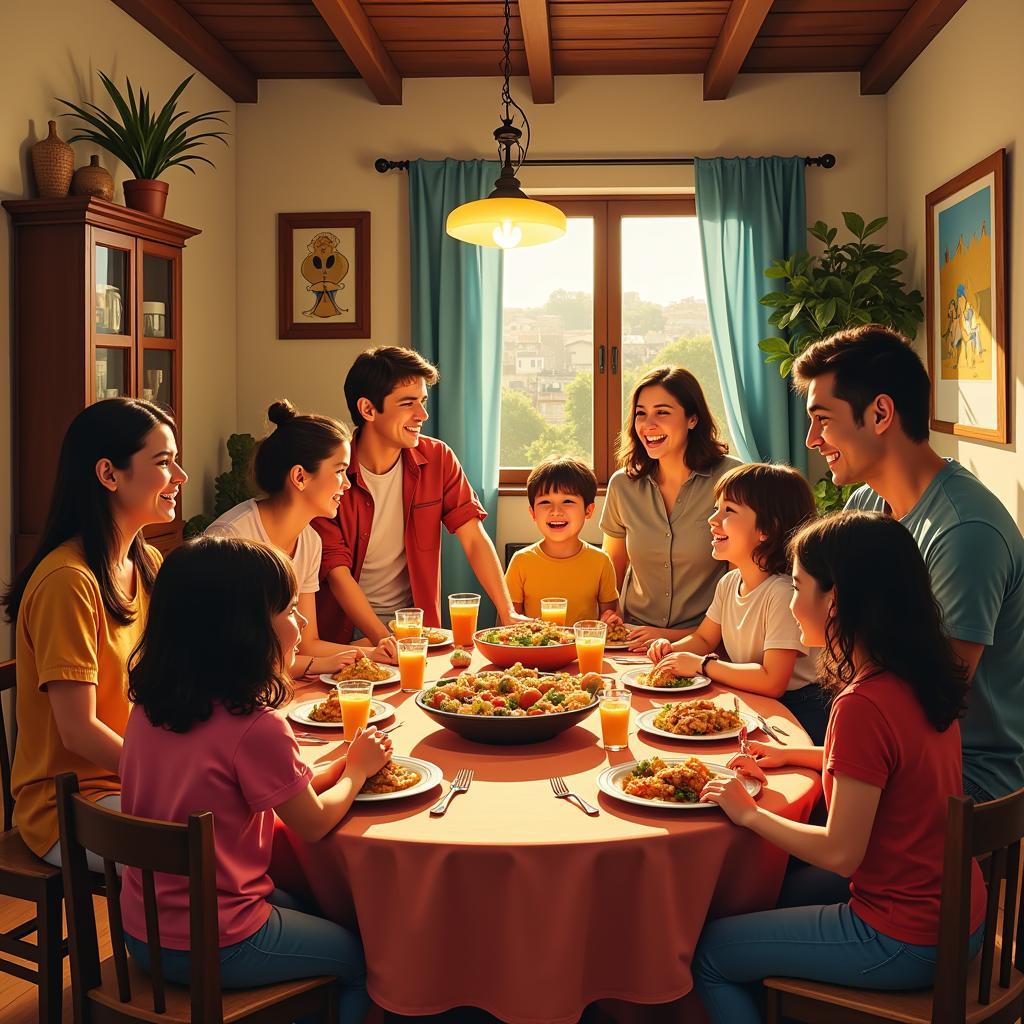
(311, 146)
(55, 50)
(939, 122)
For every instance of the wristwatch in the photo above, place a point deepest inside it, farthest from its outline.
(704, 662)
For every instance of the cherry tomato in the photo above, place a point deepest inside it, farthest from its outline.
(529, 697)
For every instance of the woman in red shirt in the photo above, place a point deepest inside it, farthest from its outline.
(890, 762)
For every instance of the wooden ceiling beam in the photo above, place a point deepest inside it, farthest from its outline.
(920, 25)
(352, 28)
(742, 24)
(533, 16)
(178, 30)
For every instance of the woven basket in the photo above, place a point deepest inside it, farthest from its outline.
(53, 162)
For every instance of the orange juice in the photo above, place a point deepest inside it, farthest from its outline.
(405, 630)
(412, 666)
(355, 712)
(463, 624)
(614, 723)
(590, 653)
(554, 609)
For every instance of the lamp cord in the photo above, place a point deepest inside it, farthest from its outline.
(506, 92)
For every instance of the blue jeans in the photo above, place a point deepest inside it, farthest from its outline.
(810, 706)
(292, 944)
(823, 943)
(972, 789)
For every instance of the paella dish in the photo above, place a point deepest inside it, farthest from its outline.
(664, 678)
(392, 778)
(363, 668)
(529, 634)
(681, 782)
(617, 635)
(696, 718)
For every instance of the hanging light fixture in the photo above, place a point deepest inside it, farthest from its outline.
(507, 218)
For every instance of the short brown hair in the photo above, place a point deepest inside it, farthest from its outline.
(781, 500)
(704, 448)
(562, 476)
(378, 371)
(867, 362)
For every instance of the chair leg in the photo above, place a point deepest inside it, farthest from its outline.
(772, 1006)
(50, 936)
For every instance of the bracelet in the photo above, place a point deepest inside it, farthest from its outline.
(704, 663)
(309, 667)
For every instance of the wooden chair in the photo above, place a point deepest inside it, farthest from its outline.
(25, 877)
(963, 992)
(117, 990)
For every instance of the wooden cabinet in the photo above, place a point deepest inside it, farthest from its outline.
(97, 313)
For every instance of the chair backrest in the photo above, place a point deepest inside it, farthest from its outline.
(8, 678)
(993, 830)
(151, 846)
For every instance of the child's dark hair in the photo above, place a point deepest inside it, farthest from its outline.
(883, 605)
(113, 429)
(562, 476)
(782, 502)
(298, 440)
(378, 371)
(209, 636)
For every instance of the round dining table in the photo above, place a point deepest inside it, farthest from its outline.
(521, 904)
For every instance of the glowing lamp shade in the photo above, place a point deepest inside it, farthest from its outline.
(506, 223)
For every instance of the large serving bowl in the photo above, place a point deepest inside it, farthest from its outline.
(544, 659)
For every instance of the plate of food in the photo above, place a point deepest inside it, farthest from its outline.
(517, 705)
(399, 778)
(362, 668)
(435, 637)
(695, 720)
(535, 644)
(617, 637)
(671, 783)
(653, 681)
(327, 713)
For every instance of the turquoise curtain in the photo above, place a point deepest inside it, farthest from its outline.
(751, 210)
(456, 324)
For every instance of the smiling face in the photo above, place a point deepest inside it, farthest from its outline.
(734, 532)
(146, 491)
(324, 489)
(661, 423)
(558, 516)
(288, 626)
(398, 423)
(811, 607)
(851, 450)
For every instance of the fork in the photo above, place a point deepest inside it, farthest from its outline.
(312, 737)
(460, 784)
(771, 730)
(561, 790)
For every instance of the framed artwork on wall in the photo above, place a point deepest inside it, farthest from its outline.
(323, 268)
(968, 339)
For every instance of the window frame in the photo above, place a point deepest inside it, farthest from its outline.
(607, 212)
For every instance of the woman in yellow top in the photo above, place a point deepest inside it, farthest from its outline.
(80, 606)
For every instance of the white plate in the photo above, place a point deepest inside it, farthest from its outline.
(609, 783)
(379, 710)
(630, 679)
(645, 721)
(430, 776)
(329, 680)
(446, 642)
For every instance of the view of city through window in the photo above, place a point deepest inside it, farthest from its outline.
(548, 396)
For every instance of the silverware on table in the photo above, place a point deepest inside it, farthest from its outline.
(639, 659)
(312, 737)
(770, 730)
(460, 784)
(561, 790)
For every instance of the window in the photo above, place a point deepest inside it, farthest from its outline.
(620, 293)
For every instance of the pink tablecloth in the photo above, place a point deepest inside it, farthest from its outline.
(519, 903)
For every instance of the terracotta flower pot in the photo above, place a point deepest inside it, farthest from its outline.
(53, 162)
(147, 195)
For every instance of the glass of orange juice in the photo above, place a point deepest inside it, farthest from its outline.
(614, 712)
(590, 637)
(354, 698)
(463, 609)
(412, 662)
(554, 609)
(408, 622)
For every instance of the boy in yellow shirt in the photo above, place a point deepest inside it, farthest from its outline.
(562, 494)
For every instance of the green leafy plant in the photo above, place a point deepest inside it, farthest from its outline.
(230, 488)
(147, 142)
(830, 497)
(855, 283)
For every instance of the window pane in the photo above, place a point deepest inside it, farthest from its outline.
(547, 387)
(664, 306)
(112, 313)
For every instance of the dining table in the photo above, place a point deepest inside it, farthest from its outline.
(520, 903)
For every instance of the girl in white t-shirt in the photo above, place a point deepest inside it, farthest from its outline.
(301, 467)
(757, 509)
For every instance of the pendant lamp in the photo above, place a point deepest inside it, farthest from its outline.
(507, 218)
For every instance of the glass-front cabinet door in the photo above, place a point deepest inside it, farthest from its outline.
(159, 330)
(112, 307)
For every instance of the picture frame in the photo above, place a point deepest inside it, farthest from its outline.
(968, 329)
(323, 266)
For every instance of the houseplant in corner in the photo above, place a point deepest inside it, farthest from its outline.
(146, 141)
(858, 282)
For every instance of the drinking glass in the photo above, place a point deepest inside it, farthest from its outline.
(412, 662)
(463, 609)
(408, 623)
(554, 609)
(354, 699)
(614, 712)
(590, 637)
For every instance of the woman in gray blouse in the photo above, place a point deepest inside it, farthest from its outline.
(655, 514)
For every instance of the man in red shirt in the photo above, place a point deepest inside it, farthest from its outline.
(382, 550)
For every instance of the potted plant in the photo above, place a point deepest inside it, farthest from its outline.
(147, 142)
(231, 488)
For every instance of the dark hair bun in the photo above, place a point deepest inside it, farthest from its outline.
(281, 412)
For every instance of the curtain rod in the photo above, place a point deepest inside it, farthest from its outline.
(826, 160)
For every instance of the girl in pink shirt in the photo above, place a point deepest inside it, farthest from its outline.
(206, 734)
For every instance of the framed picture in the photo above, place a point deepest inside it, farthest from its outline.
(968, 335)
(323, 267)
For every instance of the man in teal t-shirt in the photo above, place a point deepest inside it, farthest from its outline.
(868, 401)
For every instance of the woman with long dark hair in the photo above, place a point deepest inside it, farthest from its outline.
(657, 506)
(890, 763)
(80, 606)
